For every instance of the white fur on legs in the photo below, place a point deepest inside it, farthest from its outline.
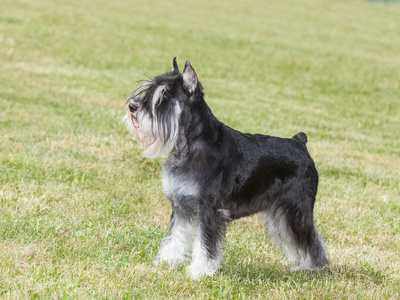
(306, 262)
(201, 263)
(276, 229)
(175, 248)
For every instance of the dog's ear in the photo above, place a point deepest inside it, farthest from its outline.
(189, 78)
(175, 69)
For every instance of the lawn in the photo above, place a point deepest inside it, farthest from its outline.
(82, 213)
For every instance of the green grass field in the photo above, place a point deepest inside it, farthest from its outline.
(82, 212)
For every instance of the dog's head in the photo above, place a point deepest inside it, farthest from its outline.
(155, 109)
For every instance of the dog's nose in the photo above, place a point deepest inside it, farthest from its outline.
(132, 107)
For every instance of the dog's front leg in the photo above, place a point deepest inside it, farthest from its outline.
(175, 247)
(207, 255)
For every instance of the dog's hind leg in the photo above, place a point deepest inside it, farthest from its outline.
(298, 238)
(313, 254)
(277, 230)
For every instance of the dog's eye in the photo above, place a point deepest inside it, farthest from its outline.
(165, 96)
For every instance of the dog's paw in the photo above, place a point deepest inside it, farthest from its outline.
(172, 261)
(303, 269)
(158, 260)
(295, 269)
(196, 271)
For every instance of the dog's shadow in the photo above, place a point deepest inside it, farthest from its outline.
(278, 273)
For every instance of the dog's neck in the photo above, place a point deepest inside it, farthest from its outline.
(204, 124)
(202, 129)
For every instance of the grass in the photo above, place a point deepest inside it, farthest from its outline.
(82, 213)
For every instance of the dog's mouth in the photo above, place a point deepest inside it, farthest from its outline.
(134, 121)
(145, 141)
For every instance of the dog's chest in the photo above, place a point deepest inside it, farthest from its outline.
(177, 185)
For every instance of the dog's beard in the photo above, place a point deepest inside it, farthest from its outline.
(156, 138)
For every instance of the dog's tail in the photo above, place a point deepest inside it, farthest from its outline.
(300, 137)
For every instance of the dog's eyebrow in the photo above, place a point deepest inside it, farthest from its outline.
(158, 95)
(143, 88)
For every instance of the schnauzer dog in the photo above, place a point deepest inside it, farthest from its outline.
(215, 174)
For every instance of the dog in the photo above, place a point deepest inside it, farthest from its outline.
(215, 174)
